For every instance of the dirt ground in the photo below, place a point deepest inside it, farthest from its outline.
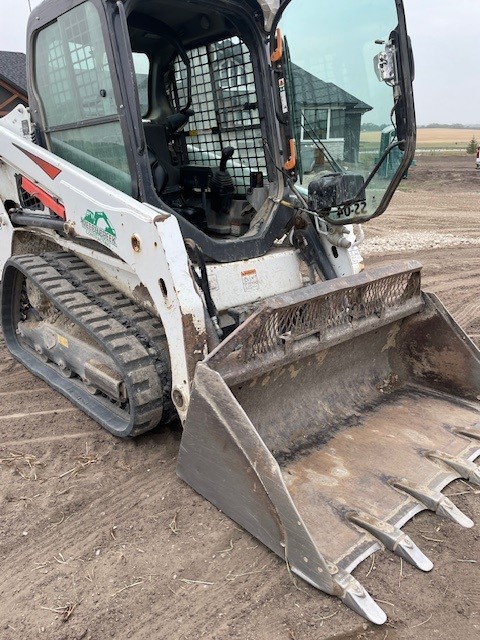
(99, 538)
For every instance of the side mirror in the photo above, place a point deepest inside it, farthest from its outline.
(390, 68)
(385, 63)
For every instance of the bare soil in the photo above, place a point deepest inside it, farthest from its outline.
(100, 539)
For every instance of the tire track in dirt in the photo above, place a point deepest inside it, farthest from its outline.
(126, 499)
(466, 312)
(44, 542)
(153, 622)
(458, 290)
(34, 414)
(18, 379)
(64, 541)
(35, 400)
(47, 439)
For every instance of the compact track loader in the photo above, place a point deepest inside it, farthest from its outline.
(163, 254)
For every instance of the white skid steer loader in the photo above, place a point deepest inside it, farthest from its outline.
(164, 255)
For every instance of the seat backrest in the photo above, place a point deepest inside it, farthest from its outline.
(166, 176)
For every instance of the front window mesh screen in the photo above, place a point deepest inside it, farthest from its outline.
(225, 103)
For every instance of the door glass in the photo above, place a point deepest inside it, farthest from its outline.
(72, 72)
(342, 106)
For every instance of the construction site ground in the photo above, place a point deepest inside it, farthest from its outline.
(100, 539)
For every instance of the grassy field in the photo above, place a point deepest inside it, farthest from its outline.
(429, 140)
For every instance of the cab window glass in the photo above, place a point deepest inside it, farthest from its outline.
(75, 89)
(72, 72)
(141, 64)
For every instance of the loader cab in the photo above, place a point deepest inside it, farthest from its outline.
(204, 116)
(191, 107)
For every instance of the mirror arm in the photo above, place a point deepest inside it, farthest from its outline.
(358, 195)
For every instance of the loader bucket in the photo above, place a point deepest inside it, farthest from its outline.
(331, 417)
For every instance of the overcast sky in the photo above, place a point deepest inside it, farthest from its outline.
(446, 41)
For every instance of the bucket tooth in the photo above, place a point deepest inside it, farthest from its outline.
(356, 597)
(434, 501)
(393, 538)
(467, 470)
(470, 432)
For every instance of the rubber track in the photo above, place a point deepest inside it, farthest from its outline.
(146, 328)
(139, 360)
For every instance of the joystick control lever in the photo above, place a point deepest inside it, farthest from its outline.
(221, 185)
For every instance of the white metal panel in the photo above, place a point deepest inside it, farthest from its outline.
(239, 283)
(345, 261)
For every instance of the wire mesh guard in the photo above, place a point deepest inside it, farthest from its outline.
(338, 309)
(329, 311)
(74, 84)
(225, 103)
(28, 201)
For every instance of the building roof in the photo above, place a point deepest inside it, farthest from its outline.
(311, 90)
(13, 70)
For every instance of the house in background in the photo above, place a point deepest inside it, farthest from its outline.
(329, 114)
(13, 81)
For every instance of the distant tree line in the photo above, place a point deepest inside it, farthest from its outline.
(457, 125)
(370, 126)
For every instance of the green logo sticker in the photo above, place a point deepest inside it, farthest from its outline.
(97, 225)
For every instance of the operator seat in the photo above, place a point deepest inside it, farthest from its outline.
(166, 175)
(159, 174)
